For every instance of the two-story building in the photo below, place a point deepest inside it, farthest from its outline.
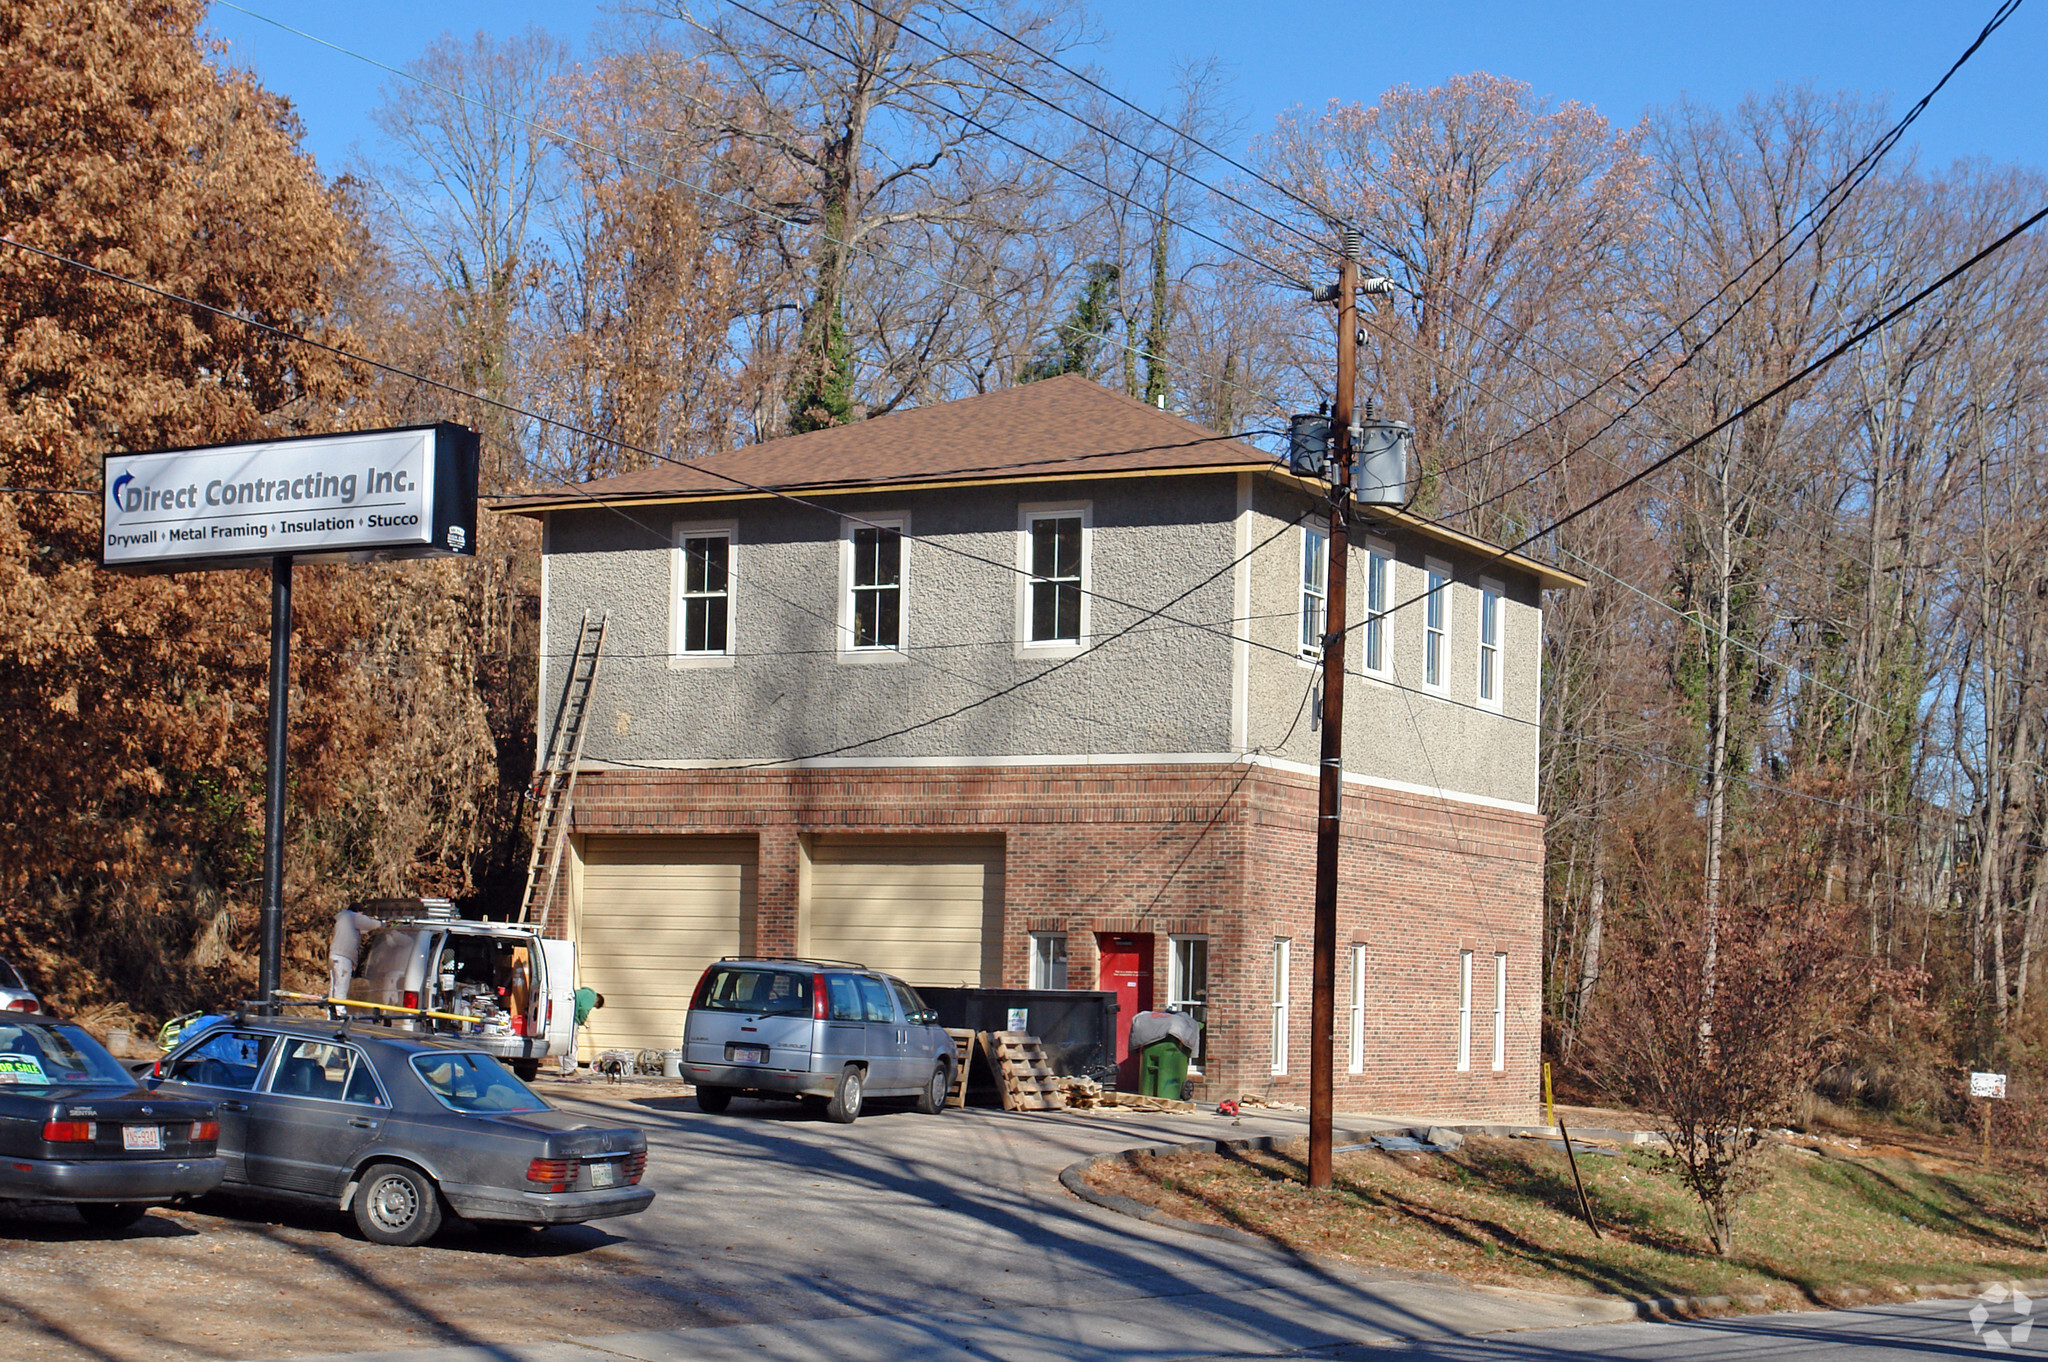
(1021, 690)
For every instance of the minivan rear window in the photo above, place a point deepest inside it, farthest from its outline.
(771, 992)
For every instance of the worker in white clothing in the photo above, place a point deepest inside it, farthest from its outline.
(349, 926)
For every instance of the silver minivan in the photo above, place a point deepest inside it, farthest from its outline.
(820, 1030)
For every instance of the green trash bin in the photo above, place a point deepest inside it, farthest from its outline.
(1163, 1068)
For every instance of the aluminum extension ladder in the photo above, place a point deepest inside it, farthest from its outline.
(557, 777)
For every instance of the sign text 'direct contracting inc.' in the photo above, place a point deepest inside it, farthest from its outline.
(319, 499)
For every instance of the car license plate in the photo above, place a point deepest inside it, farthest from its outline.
(750, 1054)
(604, 1174)
(142, 1137)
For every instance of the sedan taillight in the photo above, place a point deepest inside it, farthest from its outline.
(552, 1175)
(636, 1164)
(206, 1130)
(69, 1132)
(22, 1005)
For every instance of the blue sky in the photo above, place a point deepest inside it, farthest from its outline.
(1619, 57)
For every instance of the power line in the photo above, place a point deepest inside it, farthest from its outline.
(569, 139)
(1832, 199)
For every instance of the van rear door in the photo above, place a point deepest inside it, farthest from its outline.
(557, 988)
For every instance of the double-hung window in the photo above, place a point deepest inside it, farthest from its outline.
(1436, 626)
(1500, 1011)
(1489, 643)
(704, 591)
(1048, 960)
(1280, 952)
(1357, 1008)
(1315, 591)
(874, 579)
(1379, 584)
(1187, 981)
(1054, 607)
(1464, 1011)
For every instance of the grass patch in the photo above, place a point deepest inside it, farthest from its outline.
(1504, 1212)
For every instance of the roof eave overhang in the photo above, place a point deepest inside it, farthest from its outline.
(542, 504)
(1547, 576)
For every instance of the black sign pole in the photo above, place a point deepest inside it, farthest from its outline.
(270, 966)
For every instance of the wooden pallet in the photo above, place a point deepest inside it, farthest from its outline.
(1025, 1074)
(963, 1056)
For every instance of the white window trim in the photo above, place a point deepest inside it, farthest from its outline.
(1464, 1011)
(1176, 986)
(678, 660)
(1040, 510)
(898, 521)
(1039, 978)
(1442, 684)
(1357, 1064)
(1282, 982)
(1500, 1011)
(1491, 670)
(1381, 549)
(1312, 655)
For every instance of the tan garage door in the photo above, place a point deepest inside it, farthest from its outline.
(651, 914)
(929, 910)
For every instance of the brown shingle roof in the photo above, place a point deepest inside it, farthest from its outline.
(1057, 428)
(1054, 428)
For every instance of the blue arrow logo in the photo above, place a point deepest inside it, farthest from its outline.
(114, 492)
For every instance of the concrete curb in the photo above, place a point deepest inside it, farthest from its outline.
(1074, 1177)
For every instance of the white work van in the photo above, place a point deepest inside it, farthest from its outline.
(501, 986)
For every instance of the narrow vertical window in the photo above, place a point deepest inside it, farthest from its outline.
(1464, 1011)
(1500, 1011)
(1357, 1009)
(1048, 960)
(707, 595)
(1436, 624)
(1315, 591)
(1489, 643)
(1280, 1005)
(1055, 567)
(1187, 981)
(1379, 579)
(877, 585)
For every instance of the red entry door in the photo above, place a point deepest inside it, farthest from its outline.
(1126, 970)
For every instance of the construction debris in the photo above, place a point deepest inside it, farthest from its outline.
(1023, 1072)
(1080, 1092)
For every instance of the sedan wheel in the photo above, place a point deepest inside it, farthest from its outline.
(932, 1100)
(111, 1215)
(845, 1103)
(397, 1205)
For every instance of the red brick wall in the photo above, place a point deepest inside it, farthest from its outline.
(1226, 850)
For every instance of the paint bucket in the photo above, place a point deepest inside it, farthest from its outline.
(671, 1063)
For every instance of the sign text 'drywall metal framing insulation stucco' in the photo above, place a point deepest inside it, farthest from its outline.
(407, 493)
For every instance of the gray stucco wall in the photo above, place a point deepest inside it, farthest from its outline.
(1394, 728)
(788, 691)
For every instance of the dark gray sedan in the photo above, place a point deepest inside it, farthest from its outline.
(75, 1126)
(393, 1129)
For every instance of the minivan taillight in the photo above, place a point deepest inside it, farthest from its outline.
(411, 999)
(817, 997)
(703, 987)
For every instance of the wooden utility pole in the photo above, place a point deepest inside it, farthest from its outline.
(1322, 1057)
